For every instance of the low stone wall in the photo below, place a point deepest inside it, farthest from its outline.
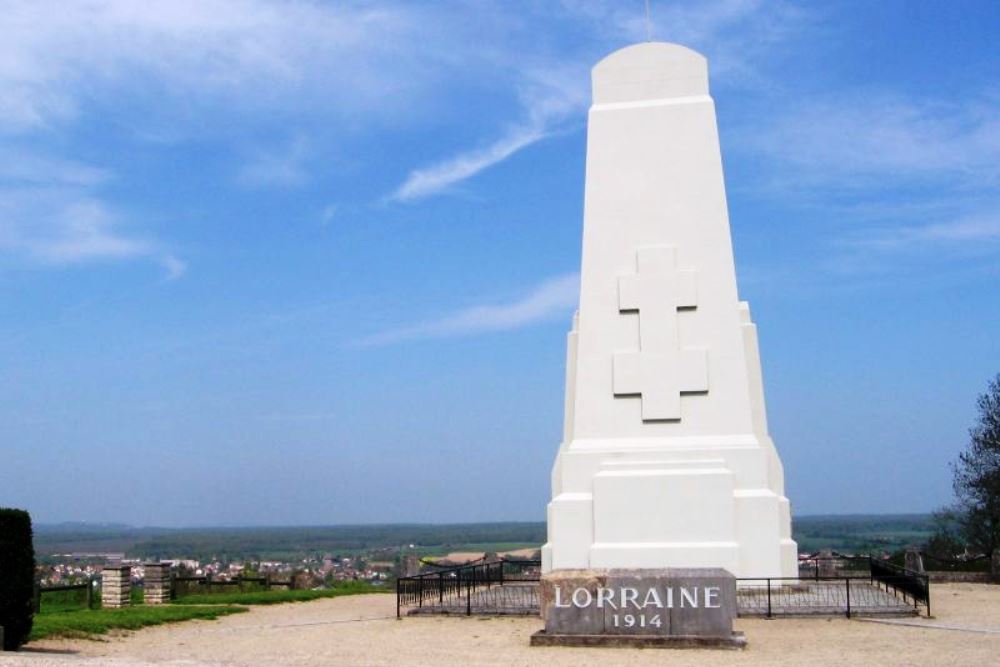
(960, 577)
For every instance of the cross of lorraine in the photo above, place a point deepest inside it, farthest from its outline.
(660, 371)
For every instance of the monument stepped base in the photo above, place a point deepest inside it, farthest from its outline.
(736, 641)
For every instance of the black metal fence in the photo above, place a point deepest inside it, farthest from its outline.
(472, 586)
(64, 596)
(181, 586)
(934, 563)
(859, 585)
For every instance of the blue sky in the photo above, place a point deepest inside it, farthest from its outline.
(306, 262)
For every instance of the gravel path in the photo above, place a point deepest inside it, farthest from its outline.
(362, 631)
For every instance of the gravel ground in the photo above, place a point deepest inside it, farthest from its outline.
(362, 631)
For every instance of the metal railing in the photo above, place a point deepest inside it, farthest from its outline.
(862, 585)
(87, 588)
(979, 563)
(180, 586)
(883, 589)
(899, 580)
(461, 589)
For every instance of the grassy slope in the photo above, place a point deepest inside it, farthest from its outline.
(59, 619)
(280, 596)
(83, 622)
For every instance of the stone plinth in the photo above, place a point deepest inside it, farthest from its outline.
(116, 586)
(157, 583)
(667, 608)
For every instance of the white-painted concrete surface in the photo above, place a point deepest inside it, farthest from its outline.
(666, 459)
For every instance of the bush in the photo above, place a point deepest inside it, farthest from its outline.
(17, 577)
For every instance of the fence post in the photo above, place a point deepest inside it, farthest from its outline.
(420, 591)
(848, 582)
(468, 595)
(769, 598)
(927, 587)
(397, 596)
(36, 597)
(90, 592)
(440, 587)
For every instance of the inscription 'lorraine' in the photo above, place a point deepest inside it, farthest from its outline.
(626, 597)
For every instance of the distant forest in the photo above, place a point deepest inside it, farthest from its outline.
(844, 533)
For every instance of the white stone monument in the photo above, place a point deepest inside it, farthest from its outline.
(666, 460)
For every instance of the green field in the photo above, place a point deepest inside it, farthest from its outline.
(278, 543)
(846, 533)
(861, 534)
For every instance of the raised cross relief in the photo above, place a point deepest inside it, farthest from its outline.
(660, 371)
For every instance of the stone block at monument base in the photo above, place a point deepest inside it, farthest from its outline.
(655, 608)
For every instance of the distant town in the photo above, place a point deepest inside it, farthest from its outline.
(323, 572)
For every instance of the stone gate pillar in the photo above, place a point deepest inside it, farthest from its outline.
(826, 564)
(157, 584)
(116, 586)
(913, 560)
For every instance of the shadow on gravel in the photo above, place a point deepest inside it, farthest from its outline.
(42, 649)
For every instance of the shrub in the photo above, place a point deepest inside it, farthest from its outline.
(17, 577)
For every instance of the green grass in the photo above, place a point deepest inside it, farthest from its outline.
(280, 596)
(59, 601)
(62, 615)
(85, 623)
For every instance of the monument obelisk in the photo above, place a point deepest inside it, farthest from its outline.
(666, 460)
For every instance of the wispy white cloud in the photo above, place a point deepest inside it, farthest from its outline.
(84, 230)
(967, 242)
(736, 35)
(906, 178)
(973, 231)
(328, 213)
(259, 53)
(276, 168)
(553, 298)
(175, 268)
(62, 226)
(25, 167)
(550, 96)
(555, 90)
(868, 140)
(438, 177)
(64, 221)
